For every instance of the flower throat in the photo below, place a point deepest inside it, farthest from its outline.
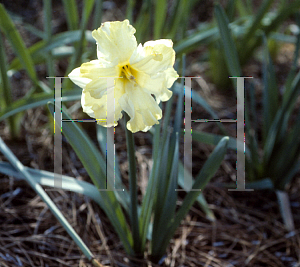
(127, 71)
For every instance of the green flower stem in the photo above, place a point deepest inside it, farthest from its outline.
(133, 189)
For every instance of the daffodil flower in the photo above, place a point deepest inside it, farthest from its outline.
(146, 72)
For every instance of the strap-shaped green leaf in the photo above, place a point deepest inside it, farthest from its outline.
(270, 92)
(39, 50)
(76, 58)
(36, 100)
(231, 55)
(95, 166)
(5, 91)
(277, 126)
(203, 36)
(160, 17)
(43, 195)
(47, 179)
(208, 170)
(166, 205)
(14, 37)
(214, 139)
(281, 15)
(200, 199)
(256, 23)
(70, 7)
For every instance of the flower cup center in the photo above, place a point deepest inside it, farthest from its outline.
(127, 71)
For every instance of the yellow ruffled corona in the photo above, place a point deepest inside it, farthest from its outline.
(146, 70)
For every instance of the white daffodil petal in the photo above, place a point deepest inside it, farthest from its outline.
(159, 84)
(77, 79)
(115, 40)
(96, 73)
(97, 88)
(141, 107)
(166, 42)
(97, 108)
(87, 102)
(153, 59)
(171, 76)
(96, 69)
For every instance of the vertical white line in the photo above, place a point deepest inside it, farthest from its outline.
(110, 175)
(240, 136)
(188, 134)
(57, 135)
